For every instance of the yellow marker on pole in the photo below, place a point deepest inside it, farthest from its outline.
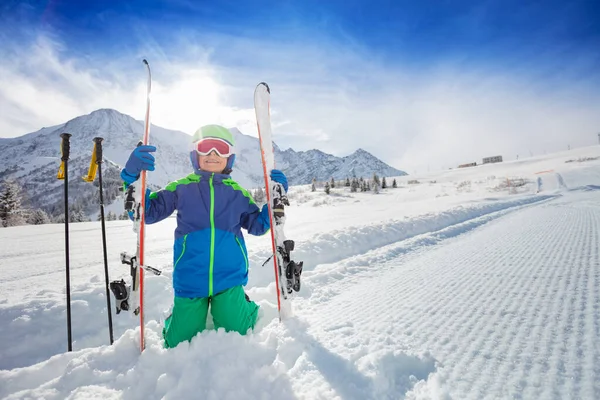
(91, 175)
(61, 171)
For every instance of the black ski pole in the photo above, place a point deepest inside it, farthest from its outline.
(65, 160)
(98, 147)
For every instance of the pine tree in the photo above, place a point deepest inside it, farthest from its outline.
(354, 186)
(259, 195)
(394, 184)
(376, 179)
(383, 183)
(38, 217)
(11, 212)
(77, 216)
(348, 182)
(314, 185)
(332, 185)
(111, 216)
(124, 216)
(327, 188)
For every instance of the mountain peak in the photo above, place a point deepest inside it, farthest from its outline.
(361, 152)
(107, 113)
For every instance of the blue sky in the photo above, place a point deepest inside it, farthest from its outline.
(429, 76)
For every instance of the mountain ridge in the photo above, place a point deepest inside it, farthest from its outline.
(30, 158)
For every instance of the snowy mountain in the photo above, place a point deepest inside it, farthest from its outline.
(303, 166)
(33, 159)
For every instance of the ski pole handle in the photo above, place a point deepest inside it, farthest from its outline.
(65, 146)
(98, 147)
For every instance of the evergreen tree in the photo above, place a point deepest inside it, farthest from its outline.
(111, 216)
(11, 212)
(332, 185)
(327, 188)
(77, 216)
(394, 184)
(376, 180)
(77, 212)
(348, 182)
(124, 216)
(259, 195)
(383, 183)
(375, 187)
(354, 186)
(38, 217)
(314, 185)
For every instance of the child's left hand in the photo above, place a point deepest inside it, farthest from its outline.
(279, 177)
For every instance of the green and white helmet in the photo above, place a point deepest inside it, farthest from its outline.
(213, 131)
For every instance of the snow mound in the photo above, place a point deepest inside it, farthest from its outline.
(216, 365)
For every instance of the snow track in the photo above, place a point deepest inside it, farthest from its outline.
(509, 311)
(337, 245)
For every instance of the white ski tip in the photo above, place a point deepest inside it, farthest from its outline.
(265, 85)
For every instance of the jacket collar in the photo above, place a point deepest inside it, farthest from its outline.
(216, 177)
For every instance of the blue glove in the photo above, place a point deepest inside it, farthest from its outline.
(140, 159)
(279, 177)
(264, 216)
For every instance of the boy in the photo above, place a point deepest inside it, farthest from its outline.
(210, 261)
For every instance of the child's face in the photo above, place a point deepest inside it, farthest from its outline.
(212, 162)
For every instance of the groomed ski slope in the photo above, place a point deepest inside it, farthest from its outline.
(427, 291)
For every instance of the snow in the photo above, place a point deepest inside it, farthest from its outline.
(463, 286)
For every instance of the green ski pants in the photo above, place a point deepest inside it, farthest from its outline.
(229, 310)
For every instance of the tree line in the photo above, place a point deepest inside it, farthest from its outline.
(375, 184)
(14, 212)
(357, 184)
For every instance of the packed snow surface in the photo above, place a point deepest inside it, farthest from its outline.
(477, 283)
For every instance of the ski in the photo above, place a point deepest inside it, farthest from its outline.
(132, 297)
(287, 272)
(141, 219)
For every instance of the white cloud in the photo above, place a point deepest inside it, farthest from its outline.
(324, 96)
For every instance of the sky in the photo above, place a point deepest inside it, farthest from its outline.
(422, 85)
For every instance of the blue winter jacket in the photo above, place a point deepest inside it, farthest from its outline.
(209, 255)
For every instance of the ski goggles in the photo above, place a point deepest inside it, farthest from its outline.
(205, 146)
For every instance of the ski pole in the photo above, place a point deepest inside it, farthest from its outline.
(64, 174)
(98, 148)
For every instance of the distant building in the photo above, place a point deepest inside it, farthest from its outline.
(473, 164)
(495, 159)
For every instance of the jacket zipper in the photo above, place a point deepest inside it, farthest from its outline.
(212, 236)
(182, 252)
(243, 253)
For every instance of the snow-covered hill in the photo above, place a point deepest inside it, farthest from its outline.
(33, 159)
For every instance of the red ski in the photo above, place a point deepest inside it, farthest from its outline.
(287, 272)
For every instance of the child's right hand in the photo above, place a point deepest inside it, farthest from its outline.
(141, 159)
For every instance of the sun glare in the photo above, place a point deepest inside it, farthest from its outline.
(187, 103)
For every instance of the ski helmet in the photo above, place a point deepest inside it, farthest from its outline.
(213, 131)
